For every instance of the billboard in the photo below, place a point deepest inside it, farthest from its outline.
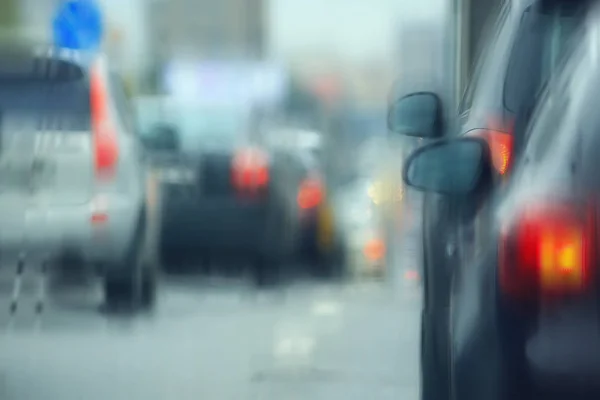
(226, 82)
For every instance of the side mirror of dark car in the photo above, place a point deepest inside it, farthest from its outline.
(450, 167)
(162, 138)
(418, 115)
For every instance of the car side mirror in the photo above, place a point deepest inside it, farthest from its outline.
(451, 167)
(418, 115)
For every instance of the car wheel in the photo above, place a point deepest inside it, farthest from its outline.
(133, 283)
(333, 265)
(266, 271)
(135, 290)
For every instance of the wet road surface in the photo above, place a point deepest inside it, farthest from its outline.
(213, 339)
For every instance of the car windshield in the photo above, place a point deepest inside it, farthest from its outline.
(198, 126)
(209, 127)
(57, 99)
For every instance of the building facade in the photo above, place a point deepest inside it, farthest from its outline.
(211, 29)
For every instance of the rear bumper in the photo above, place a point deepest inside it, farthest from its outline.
(565, 347)
(215, 225)
(54, 232)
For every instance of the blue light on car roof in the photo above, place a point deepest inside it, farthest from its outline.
(78, 25)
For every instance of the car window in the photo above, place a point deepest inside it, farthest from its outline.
(56, 99)
(488, 45)
(557, 113)
(543, 33)
(122, 104)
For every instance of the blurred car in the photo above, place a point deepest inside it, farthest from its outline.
(360, 231)
(222, 195)
(525, 291)
(73, 184)
(317, 224)
(524, 49)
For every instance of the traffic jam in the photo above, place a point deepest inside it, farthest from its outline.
(87, 188)
(474, 223)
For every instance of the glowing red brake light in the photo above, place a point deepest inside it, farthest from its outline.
(548, 251)
(310, 194)
(250, 170)
(104, 136)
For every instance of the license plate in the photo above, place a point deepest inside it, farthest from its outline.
(176, 175)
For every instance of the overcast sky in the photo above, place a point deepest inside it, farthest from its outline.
(355, 29)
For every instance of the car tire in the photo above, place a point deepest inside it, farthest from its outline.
(266, 271)
(333, 265)
(133, 283)
(130, 290)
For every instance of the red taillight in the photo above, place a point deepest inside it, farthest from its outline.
(99, 218)
(548, 251)
(104, 136)
(374, 250)
(250, 170)
(501, 148)
(310, 194)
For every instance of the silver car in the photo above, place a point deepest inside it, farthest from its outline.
(73, 185)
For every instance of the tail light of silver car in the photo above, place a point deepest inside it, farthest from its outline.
(548, 251)
(104, 135)
(99, 209)
(105, 144)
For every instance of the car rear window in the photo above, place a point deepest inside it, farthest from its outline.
(50, 94)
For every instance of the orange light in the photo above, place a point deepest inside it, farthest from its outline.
(561, 255)
(310, 194)
(374, 250)
(501, 147)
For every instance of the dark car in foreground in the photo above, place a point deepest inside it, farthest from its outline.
(523, 303)
(222, 196)
(522, 49)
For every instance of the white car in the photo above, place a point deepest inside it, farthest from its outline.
(360, 230)
(74, 191)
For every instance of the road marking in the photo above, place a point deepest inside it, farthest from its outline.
(326, 308)
(295, 347)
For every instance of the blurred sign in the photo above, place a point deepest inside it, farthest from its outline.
(212, 82)
(77, 25)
